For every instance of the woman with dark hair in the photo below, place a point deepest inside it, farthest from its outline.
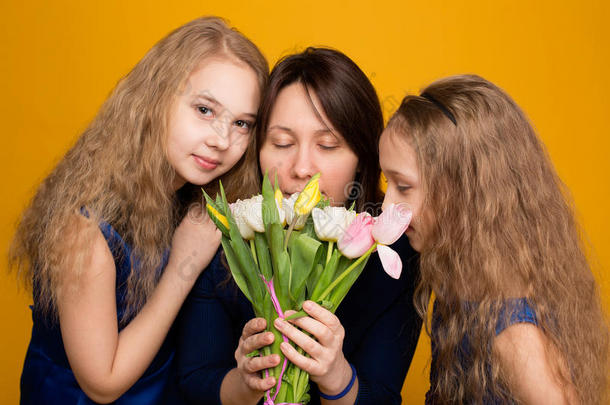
(320, 113)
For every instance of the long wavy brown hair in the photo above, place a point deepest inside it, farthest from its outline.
(502, 226)
(119, 172)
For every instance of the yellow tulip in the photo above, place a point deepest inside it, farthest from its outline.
(221, 218)
(309, 197)
(279, 197)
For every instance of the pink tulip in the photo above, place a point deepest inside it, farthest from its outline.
(390, 261)
(357, 238)
(391, 224)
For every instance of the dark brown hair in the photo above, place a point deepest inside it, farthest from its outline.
(349, 101)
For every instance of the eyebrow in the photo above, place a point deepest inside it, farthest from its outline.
(291, 131)
(396, 173)
(281, 128)
(212, 100)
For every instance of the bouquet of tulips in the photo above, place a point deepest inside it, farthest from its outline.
(281, 252)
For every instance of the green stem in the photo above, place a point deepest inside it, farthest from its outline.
(253, 249)
(289, 231)
(329, 252)
(346, 272)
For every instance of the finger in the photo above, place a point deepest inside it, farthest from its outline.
(257, 341)
(259, 384)
(307, 364)
(321, 332)
(256, 364)
(323, 315)
(313, 348)
(253, 326)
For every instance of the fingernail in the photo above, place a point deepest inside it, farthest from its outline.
(279, 323)
(308, 305)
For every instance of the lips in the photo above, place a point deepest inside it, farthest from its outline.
(206, 163)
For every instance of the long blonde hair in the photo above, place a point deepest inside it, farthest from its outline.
(119, 172)
(502, 226)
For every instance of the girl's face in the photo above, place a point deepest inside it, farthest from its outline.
(210, 121)
(399, 165)
(299, 144)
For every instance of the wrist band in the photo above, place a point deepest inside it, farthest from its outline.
(346, 390)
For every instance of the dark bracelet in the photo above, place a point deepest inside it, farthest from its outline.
(346, 390)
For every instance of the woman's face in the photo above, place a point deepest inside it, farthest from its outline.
(210, 121)
(299, 144)
(399, 165)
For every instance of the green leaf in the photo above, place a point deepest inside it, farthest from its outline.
(270, 212)
(281, 263)
(327, 276)
(264, 257)
(314, 276)
(236, 270)
(305, 252)
(341, 290)
(246, 262)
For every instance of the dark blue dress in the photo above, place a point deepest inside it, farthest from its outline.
(513, 311)
(380, 321)
(47, 377)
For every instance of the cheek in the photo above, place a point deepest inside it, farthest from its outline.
(338, 179)
(271, 163)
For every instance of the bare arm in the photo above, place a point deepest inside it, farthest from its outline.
(528, 368)
(107, 363)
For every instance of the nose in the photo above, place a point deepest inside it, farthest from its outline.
(303, 165)
(220, 134)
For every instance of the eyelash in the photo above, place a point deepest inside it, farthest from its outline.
(242, 124)
(402, 189)
(325, 147)
(200, 109)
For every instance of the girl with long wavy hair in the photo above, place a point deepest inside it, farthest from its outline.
(517, 314)
(112, 241)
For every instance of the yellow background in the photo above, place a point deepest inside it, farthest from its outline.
(61, 59)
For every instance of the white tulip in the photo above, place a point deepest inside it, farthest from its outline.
(288, 209)
(248, 215)
(254, 213)
(331, 222)
(238, 209)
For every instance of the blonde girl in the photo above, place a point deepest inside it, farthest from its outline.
(109, 243)
(517, 316)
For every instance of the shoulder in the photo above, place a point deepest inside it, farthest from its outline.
(85, 252)
(532, 365)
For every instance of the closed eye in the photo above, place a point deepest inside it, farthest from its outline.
(328, 147)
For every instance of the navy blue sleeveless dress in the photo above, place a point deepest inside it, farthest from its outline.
(47, 377)
(513, 311)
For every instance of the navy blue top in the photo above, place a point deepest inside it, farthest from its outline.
(380, 321)
(516, 310)
(47, 377)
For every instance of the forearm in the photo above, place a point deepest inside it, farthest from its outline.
(138, 343)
